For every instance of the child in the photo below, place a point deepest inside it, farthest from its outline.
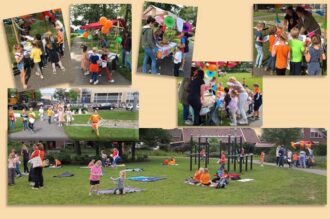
(53, 56)
(94, 60)
(19, 58)
(296, 52)
(25, 119)
(60, 40)
(61, 119)
(205, 178)
(172, 161)
(262, 158)
(57, 163)
(227, 101)
(218, 176)
(233, 107)
(84, 60)
(50, 114)
(41, 113)
(95, 118)
(120, 182)
(12, 118)
(224, 180)
(314, 56)
(282, 53)
(18, 163)
(271, 43)
(32, 119)
(115, 157)
(69, 116)
(177, 59)
(257, 101)
(259, 45)
(11, 169)
(104, 64)
(197, 176)
(36, 56)
(295, 158)
(94, 177)
(222, 160)
(91, 163)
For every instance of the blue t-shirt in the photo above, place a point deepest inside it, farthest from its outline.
(260, 36)
(94, 59)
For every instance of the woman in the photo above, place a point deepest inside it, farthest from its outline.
(104, 157)
(242, 99)
(307, 22)
(149, 45)
(25, 155)
(183, 98)
(196, 96)
(291, 18)
(38, 151)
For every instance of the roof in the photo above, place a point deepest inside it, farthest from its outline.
(155, 11)
(249, 135)
(265, 145)
(175, 133)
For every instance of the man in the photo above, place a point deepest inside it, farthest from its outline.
(277, 155)
(149, 45)
(282, 155)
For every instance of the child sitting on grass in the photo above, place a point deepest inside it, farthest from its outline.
(224, 180)
(205, 179)
(120, 183)
(282, 53)
(314, 56)
(94, 177)
(296, 52)
(172, 161)
(197, 176)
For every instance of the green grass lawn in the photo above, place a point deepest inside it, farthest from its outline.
(109, 115)
(250, 80)
(19, 124)
(106, 134)
(271, 186)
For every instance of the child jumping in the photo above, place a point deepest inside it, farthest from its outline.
(19, 57)
(120, 182)
(94, 177)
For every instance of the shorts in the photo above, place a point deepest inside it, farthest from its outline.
(94, 68)
(20, 66)
(256, 106)
(92, 182)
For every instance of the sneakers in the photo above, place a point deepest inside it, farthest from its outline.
(96, 82)
(188, 122)
(111, 81)
(63, 69)
(54, 71)
(34, 188)
(37, 73)
(243, 122)
(233, 124)
(41, 76)
(86, 73)
(91, 81)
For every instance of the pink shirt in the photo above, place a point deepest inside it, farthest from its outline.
(96, 172)
(233, 104)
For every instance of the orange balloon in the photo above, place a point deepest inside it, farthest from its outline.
(104, 30)
(108, 24)
(103, 20)
(212, 67)
(159, 55)
(85, 34)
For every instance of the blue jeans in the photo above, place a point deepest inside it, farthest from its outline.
(123, 57)
(302, 162)
(271, 62)
(260, 55)
(11, 124)
(128, 60)
(93, 76)
(185, 112)
(25, 124)
(149, 53)
(18, 171)
(295, 68)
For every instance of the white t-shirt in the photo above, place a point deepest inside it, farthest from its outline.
(177, 57)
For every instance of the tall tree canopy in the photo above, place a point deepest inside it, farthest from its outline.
(151, 137)
(281, 136)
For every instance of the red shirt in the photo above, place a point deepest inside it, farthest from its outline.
(38, 153)
(223, 159)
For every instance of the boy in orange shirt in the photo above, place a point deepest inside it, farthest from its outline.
(282, 53)
(198, 174)
(205, 178)
(95, 118)
(271, 59)
(60, 40)
(295, 158)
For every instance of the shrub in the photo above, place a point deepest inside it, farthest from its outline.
(63, 157)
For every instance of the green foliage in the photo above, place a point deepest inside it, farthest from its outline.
(281, 136)
(151, 137)
(320, 150)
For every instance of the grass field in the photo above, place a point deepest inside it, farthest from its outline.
(19, 124)
(271, 186)
(109, 115)
(250, 80)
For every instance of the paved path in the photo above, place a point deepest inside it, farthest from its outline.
(80, 78)
(50, 79)
(166, 65)
(43, 131)
(307, 170)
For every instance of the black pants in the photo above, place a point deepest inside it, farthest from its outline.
(197, 106)
(31, 126)
(295, 68)
(25, 164)
(277, 160)
(60, 49)
(38, 177)
(176, 69)
(280, 71)
(49, 119)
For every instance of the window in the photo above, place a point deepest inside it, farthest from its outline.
(315, 134)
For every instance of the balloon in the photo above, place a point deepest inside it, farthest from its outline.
(90, 37)
(85, 34)
(187, 27)
(169, 21)
(118, 39)
(108, 24)
(103, 20)
(212, 67)
(104, 30)
(159, 54)
(320, 13)
(80, 32)
(210, 74)
(159, 19)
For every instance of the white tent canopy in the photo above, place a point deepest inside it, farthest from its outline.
(155, 11)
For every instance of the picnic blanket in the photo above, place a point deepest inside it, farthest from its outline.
(128, 189)
(145, 178)
(65, 174)
(245, 180)
(134, 170)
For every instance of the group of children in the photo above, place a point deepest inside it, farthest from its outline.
(202, 177)
(45, 48)
(95, 178)
(58, 113)
(288, 50)
(28, 118)
(112, 160)
(93, 64)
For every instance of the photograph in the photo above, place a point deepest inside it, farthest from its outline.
(167, 39)
(185, 167)
(101, 43)
(290, 39)
(222, 93)
(38, 50)
(73, 113)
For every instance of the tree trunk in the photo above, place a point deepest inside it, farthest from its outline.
(77, 147)
(133, 151)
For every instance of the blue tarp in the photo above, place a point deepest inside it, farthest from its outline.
(145, 178)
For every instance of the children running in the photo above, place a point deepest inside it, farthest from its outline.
(94, 177)
(95, 118)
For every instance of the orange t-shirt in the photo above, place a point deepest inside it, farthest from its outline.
(57, 162)
(271, 42)
(59, 37)
(205, 178)
(295, 156)
(282, 55)
(198, 175)
(95, 118)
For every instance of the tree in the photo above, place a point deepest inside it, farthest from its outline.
(71, 95)
(59, 94)
(77, 147)
(281, 136)
(152, 137)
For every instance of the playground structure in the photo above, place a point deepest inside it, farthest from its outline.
(235, 152)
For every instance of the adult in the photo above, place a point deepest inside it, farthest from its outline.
(185, 40)
(183, 98)
(307, 22)
(37, 171)
(126, 50)
(290, 19)
(282, 155)
(25, 155)
(149, 45)
(242, 99)
(196, 95)
(104, 157)
(277, 154)
(289, 157)
(302, 159)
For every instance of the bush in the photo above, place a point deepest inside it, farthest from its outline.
(320, 150)
(164, 147)
(50, 157)
(141, 157)
(63, 157)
